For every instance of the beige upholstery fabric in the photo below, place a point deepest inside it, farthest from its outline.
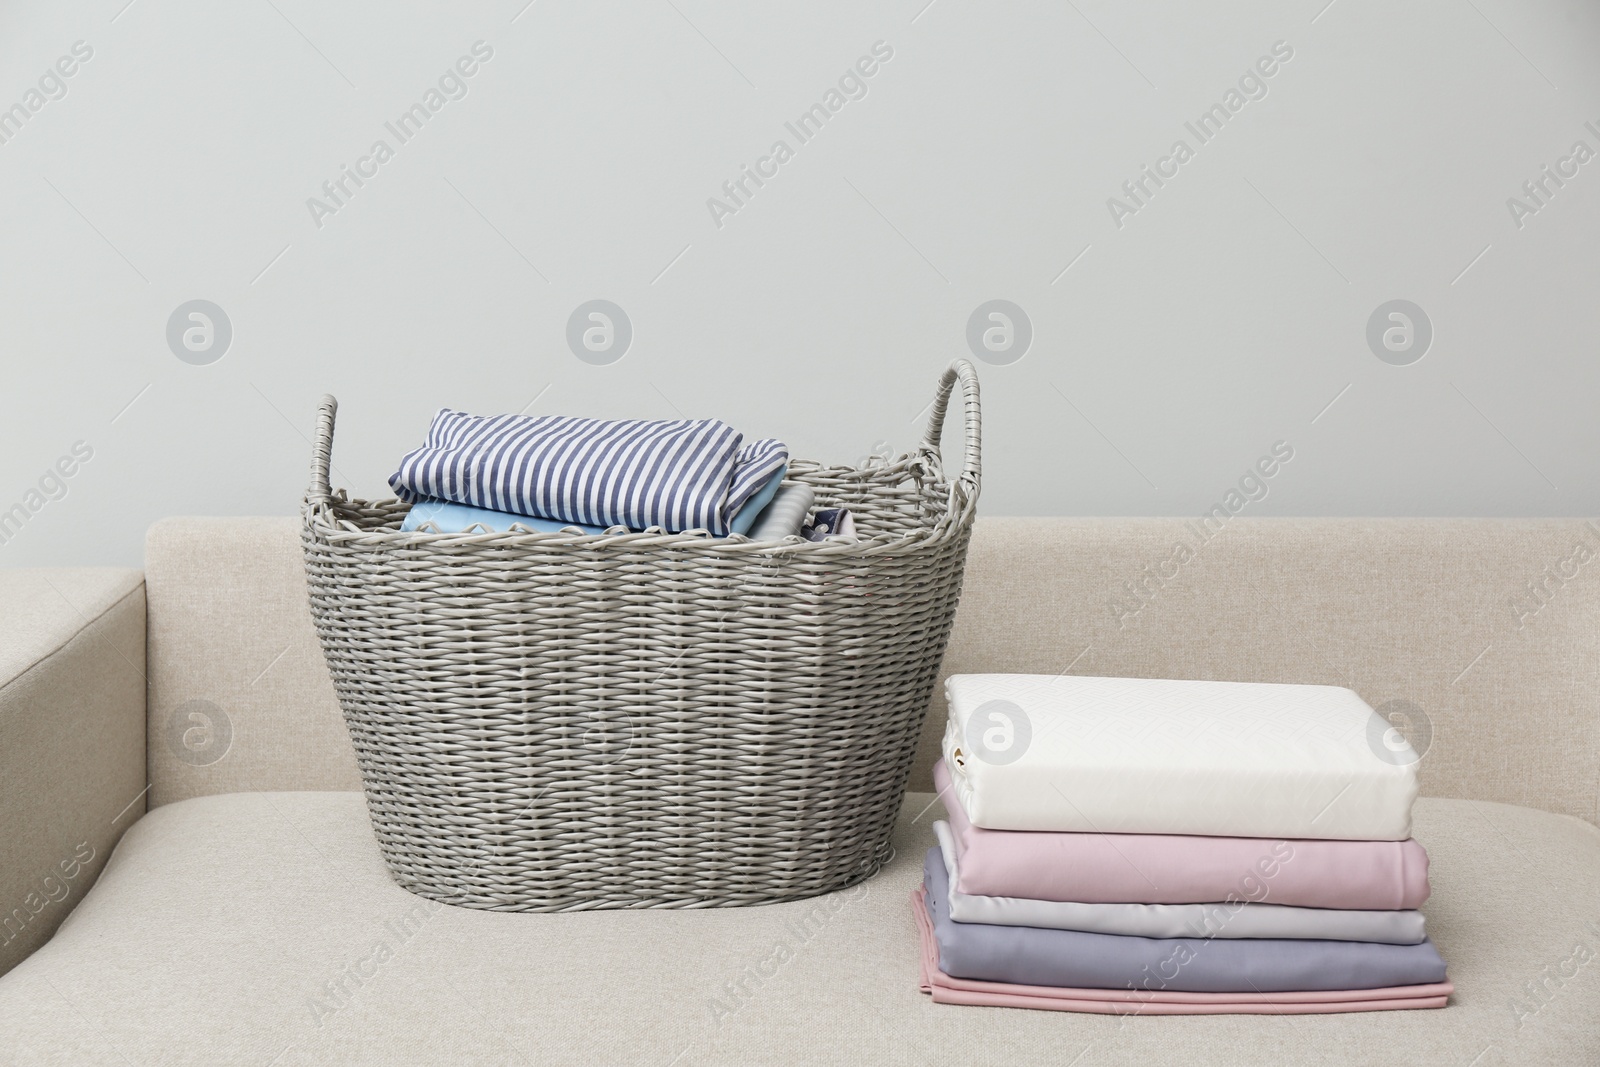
(72, 712)
(223, 927)
(46, 607)
(231, 641)
(1436, 612)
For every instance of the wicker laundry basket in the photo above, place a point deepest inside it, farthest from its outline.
(555, 721)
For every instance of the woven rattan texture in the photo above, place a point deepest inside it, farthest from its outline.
(549, 722)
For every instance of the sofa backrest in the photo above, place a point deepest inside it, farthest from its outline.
(1480, 638)
(239, 694)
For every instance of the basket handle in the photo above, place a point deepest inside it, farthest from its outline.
(322, 452)
(963, 490)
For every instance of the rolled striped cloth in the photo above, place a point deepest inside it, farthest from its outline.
(687, 474)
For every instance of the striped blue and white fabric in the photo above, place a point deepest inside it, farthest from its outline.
(687, 474)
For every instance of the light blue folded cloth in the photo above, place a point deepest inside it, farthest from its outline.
(458, 518)
(757, 504)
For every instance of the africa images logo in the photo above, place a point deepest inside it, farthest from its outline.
(452, 85)
(852, 85)
(1252, 85)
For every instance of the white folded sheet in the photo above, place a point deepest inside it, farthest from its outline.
(1242, 917)
(1150, 756)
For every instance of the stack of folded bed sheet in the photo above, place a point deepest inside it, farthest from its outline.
(1140, 846)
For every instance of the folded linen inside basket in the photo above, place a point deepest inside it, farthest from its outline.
(785, 515)
(681, 475)
(446, 517)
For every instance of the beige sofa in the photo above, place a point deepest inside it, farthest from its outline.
(181, 812)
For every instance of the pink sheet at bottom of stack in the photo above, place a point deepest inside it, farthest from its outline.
(948, 990)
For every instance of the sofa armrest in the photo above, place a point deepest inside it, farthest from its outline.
(72, 739)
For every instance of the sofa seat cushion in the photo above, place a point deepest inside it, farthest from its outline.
(263, 928)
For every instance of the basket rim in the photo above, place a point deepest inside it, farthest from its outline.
(923, 464)
(320, 524)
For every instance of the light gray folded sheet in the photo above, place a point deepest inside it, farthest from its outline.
(785, 515)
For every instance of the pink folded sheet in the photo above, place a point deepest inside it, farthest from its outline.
(1176, 869)
(948, 990)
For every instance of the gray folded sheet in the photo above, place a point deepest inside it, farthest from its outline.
(1029, 955)
(785, 515)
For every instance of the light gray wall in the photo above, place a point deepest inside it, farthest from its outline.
(1172, 346)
